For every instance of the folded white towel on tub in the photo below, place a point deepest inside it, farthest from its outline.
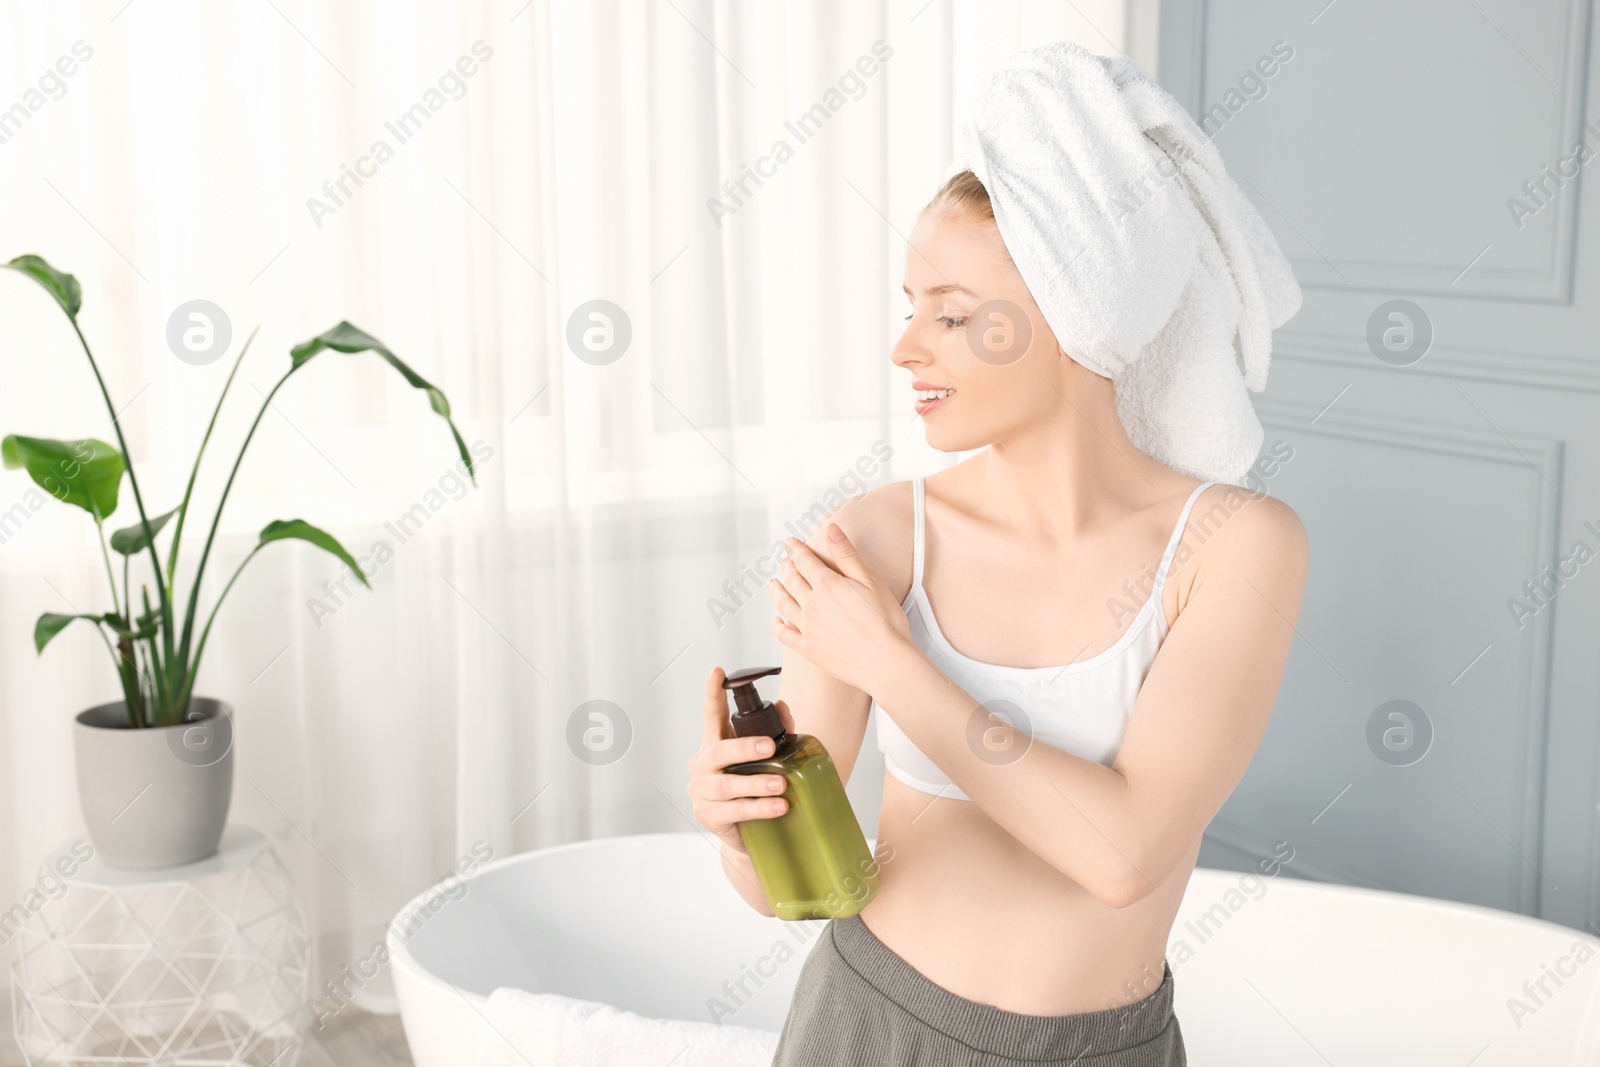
(547, 1029)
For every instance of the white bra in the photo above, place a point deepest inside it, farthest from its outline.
(1081, 708)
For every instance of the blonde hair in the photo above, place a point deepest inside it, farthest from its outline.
(964, 197)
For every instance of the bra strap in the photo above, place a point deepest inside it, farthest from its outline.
(1177, 534)
(917, 542)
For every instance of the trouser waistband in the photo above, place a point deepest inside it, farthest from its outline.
(991, 1029)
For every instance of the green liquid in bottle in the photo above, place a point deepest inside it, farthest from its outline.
(812, 860)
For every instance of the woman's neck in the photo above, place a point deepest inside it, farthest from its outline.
(1065, 473)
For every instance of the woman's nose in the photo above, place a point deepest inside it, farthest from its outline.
(911, 350)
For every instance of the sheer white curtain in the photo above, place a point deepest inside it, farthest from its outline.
(462, 181)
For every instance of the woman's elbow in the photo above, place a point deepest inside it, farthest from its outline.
(1125, 891)
(1121, 884)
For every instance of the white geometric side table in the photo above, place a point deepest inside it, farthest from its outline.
(205, 965)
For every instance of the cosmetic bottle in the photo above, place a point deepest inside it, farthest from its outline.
(812, 860)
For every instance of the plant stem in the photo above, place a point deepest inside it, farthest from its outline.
(150, 679)
(111, 579)
(200, 649)
(141, 665)
(159, 682)
(127, 703)
(133, 481)
(183, 509)
(189, 668)
(130, 680)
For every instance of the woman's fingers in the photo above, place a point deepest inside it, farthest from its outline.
(785, 716)
(782, 602)
(807, 564)
(760, 807)
(734, 786)
(721, 800)
(787, 635)
(715, 707)
(739, 750)
(791, 577)
(718, 753)
(728, 813)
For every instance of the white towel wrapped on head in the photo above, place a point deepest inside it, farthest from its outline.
(550, 1030)
(1147, 260)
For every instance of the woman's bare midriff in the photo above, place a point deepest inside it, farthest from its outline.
(977, 913)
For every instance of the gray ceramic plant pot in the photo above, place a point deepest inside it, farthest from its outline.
(158, 796)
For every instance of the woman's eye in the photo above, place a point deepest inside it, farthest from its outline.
(951, 323)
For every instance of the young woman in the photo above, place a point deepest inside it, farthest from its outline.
(1073, 650)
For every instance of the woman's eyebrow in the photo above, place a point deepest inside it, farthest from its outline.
(938, 290)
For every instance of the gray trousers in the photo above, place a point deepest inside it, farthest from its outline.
(857, 1002)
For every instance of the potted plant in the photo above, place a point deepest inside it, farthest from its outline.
(155, 769)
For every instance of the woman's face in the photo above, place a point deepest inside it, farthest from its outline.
(975, 334)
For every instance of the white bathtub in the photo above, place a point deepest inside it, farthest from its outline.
(1274, 972)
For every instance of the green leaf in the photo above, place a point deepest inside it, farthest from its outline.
(86, 473)
(145, 627)
(349, 339)
(131, 540)
(301, 530)
(64, 287)
(50, 624)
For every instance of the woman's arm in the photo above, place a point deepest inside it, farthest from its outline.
(812, 701)
(823, 706)
(878, 527)
(1118, 831)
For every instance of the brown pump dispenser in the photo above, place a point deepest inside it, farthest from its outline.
(753, 716)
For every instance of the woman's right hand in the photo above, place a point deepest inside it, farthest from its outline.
(722, 801)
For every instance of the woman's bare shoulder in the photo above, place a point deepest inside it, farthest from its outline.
(1257, 521)
(878, 523)
(1235, 531)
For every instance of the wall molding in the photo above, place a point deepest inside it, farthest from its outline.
(1184, 69)
(1542, 457)
(1531, 370)
(1483, 443)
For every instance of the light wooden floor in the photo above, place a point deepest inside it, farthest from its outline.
(351, 1039)
(362, 1040)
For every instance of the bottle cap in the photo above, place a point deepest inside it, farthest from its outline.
(753, 716)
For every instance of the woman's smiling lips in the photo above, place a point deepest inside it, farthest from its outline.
(930, 396)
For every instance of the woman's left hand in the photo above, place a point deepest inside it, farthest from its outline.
(845, 620)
